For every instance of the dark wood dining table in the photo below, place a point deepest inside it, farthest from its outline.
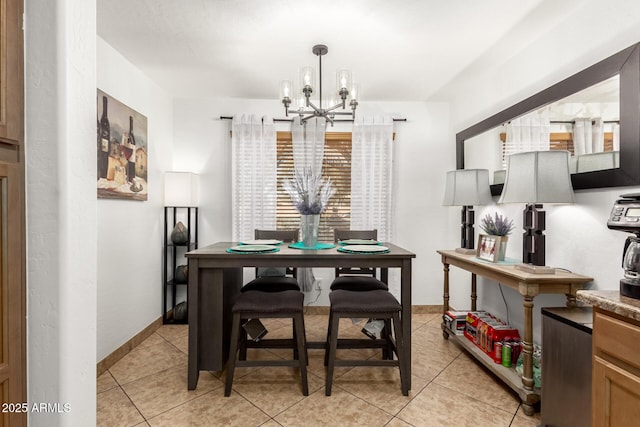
(216, 276)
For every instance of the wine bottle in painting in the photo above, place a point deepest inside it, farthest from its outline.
(105, 136)
(131, 143)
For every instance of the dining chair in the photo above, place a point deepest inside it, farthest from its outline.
(274, 293)
(379, 304)
(274, 279)
(356, 278)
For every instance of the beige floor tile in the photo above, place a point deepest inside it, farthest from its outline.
(106, 382)
(431, 337)
(525, 421)
(271, 423)
(427, 363)
(397, 422)
(165, 390)
(379, 386)
(171, 332)
(154, 339)
(181, 343)
(478, 384)
(141, 362)
(340, 409)
(438, 406)
(274, 389)
(418, 320)
(114, 409)
(212, 409)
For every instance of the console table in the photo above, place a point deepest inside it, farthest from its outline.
(526, 284)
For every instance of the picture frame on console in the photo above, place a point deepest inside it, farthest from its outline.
(488, 247)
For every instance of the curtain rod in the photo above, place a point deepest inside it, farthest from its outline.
(290, 120)
(573, 121)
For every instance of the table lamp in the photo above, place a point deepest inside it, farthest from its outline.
(467, 187)
(535, 178)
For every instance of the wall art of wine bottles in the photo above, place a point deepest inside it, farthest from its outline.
(122, 150)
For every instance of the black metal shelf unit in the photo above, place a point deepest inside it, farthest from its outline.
(172, 311)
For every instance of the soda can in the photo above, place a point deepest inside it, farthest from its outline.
(497, 354)
(506, 355)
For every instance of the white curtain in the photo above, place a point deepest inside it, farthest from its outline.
(253, 175)
(308, 152)
(529, 133)
(372, 176)
(615, 128)
(597, 135)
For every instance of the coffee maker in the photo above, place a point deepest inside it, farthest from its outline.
(625, 216)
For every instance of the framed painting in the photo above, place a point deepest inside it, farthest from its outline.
(121, 150)
(488, 247)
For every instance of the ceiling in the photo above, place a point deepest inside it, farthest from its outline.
(398, 51)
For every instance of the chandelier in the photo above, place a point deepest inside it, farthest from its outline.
(345, 88)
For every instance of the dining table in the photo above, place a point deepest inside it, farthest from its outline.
(216, 276)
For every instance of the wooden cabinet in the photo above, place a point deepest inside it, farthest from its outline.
(616, 370)
(175, 272)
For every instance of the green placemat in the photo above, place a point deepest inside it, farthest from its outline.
(231, 251)
(319, 245)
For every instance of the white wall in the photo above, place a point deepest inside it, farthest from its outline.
(203, 146)
(130, 235)
(61, 209)
(577, 236)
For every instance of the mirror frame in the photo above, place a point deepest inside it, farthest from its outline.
(626, 63)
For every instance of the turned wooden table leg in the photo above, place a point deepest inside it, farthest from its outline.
(445, 296)
(474, 295)
(527, 344)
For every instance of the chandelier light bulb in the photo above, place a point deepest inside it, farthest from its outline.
(355, 91)
(343, 80)
(286, 89)
(307, 77)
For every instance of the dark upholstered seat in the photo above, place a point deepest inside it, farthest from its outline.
(354, 278)
(274, 279)
(378, 304)
(257, 305)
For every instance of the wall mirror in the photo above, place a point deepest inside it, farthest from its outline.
(602, 99)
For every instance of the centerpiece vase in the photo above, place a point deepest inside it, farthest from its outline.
(309, 226)
(503, 248)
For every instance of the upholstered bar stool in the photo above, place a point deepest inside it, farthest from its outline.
(260, 305)
(379, 304)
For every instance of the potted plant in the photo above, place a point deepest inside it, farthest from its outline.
(498, 225)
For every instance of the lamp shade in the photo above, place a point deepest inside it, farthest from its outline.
(181, 189)
(538, 177)
(467, 187)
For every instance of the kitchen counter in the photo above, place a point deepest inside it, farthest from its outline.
(611, 301)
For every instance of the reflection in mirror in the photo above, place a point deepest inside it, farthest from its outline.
(585, 123)
(603, 99)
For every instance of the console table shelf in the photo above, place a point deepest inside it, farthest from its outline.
(526, 284)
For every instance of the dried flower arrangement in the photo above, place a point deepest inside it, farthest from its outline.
(496, 225)
(309, 192)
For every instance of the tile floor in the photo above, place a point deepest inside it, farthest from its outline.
(148, 387)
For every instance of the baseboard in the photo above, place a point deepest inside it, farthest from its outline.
(125, 348)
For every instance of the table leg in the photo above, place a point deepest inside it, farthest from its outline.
(474, 295)
(405, 297)
(527, 344)
(192, 305)
(445, 295)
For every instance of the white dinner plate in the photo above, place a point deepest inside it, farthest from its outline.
(262, 242)
(253, 248)
(359, 242)
(365, 248)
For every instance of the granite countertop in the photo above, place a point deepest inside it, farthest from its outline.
(611, 301)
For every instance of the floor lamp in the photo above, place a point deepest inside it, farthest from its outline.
(535, 178)
(467, 187)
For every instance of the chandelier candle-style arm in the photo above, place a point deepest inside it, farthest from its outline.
(345, 89)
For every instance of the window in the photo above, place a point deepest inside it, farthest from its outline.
(336, 166)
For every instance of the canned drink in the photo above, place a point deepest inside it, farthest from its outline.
(506, 355)
(497, 355)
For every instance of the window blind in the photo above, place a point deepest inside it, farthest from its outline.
(336, 166)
